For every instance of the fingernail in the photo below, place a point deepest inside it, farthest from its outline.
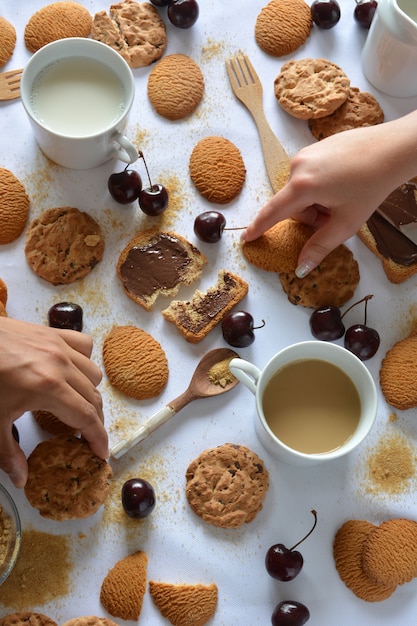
(304, 268)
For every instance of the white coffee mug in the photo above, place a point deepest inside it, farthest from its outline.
(389, 56)
(256, 381)
(77, 93)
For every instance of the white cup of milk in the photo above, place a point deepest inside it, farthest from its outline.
(389, 56)
(77, 93)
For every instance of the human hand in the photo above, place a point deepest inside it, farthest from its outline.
(43, 368)
(336, 184)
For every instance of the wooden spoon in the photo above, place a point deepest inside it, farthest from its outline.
(202, 385)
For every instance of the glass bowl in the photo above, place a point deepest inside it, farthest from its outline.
(10, 534)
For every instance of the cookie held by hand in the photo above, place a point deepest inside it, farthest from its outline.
(278, 249)
(66, 480)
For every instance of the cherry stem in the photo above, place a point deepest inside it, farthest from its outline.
(261, 326)
(235, 228)
(146, 167)
(365, 299)
(309, 532)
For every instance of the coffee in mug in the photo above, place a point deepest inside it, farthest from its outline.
(315, 401)
(321, 418)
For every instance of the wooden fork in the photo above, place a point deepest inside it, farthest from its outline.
(248, 89)
(10, 84)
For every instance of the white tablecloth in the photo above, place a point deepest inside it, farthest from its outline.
(180, 547)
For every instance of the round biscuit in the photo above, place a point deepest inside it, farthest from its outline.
(347, 552)
(217, 169)
(398, 374)
(389, 555)
(14, 207)
(283, 26)
(135, 362)
(66, 480)
(58, 20)
(359, 110)
(278, 249)
(7, 40)
(175, 86)
(133, 29)
(63, 245)
(332, 282)
(226, 486)
(311, 88)
(27, 618)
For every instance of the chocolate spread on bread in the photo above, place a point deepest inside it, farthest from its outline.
(401, 207)
(155, 266)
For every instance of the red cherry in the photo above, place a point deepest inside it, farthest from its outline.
(286, 563)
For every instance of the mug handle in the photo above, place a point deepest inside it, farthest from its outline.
(128, 153)
(246, 372)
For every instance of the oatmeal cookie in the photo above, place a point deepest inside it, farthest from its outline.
(332, 282)
(283, 26)
(185, 605)
(347, 551)
(135, 362)
(66, 479)
(63, 245)
(14, 207)
(359, 110)
(175, 86)
(217, 169)
(311, 88)
(7, 40)
(134, 29)
(226, 485)
(58, 20)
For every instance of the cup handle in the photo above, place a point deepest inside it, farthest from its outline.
(246, 372)
(127, 153)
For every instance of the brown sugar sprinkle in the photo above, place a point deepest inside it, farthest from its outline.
(41, 573)
(5, 527)
(392, 465)
(220, 374)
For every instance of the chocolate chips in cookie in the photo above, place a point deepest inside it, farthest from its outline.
(226, 486)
